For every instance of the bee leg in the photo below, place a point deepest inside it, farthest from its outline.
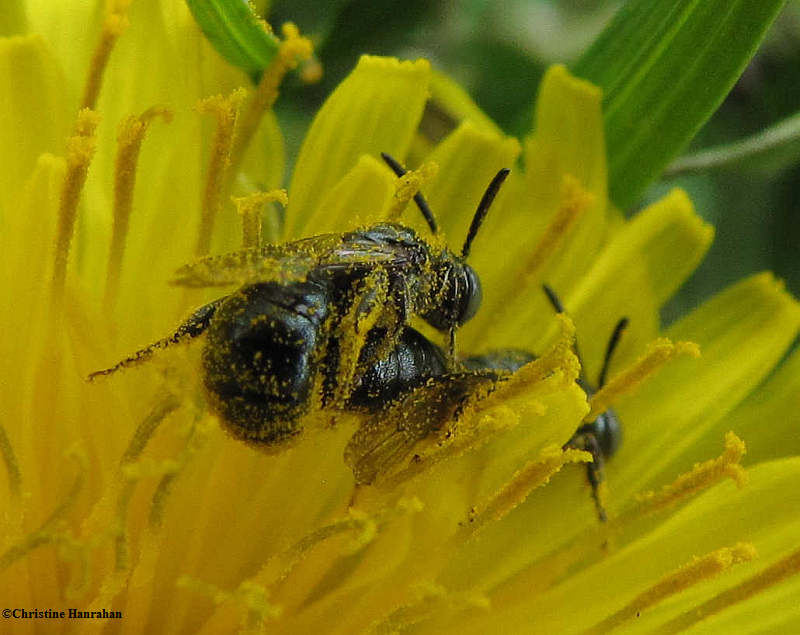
(595, 471)
(195, 325)
(372, 301)
(377, 309)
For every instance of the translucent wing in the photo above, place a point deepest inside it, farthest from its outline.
(384, 444)
(284, 263)
(354, 253)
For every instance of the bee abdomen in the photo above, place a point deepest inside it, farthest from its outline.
(260, 358)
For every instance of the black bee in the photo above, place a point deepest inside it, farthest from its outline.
(601, 437)
(283, 338)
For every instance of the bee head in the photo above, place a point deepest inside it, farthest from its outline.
(459, 288)
(460, 297)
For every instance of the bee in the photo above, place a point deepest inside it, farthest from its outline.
(281, 340)
(601, 437)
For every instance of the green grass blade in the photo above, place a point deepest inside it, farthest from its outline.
(665, 66)
(235, 32)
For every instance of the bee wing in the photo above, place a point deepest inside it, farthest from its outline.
(364, 250)
(285, 263)
(383, 444)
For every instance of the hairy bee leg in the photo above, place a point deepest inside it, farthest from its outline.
(386, 441)
(595, 471)
(371, 299)
(195, 325)
(377, 306)
(367, 309)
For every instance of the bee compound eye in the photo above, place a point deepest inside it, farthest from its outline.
(609, 432)
(471, 296)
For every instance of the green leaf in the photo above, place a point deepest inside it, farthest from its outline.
(236, 32)
(665, 66)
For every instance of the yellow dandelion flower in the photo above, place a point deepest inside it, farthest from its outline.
(129, 509)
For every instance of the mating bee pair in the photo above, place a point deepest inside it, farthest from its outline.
(323, 322)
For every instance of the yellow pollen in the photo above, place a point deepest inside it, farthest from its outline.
(515, 491)
(225, 109)
(781, 570)
(473, 429)
(293, 50)
(116, 21)
(658, 353)
(368, 307)
(559, 358)
(249, 208)
(129, 142)
(80, 150)
(582, 548)
(485, 413)
(574, 202)
(698, 570)
(702, 476)
(407, 186)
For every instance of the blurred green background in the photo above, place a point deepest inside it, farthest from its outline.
(499, 51)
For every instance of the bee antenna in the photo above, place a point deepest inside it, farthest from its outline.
(554, 299)
(612, 345)
(399, 170)
(483, 209)
(556, 302)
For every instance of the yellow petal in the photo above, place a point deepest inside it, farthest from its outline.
(31, 116)
(375, 109)
(359, 198)
(769, 418)
(27, 259)
(258, 173)
(632, 569)
(568, 139)
(13, 20)
(497, 552)
(568, 142)
(637, 272)
(467, 159)
(564, 161)
(448, 106)
(742, 333)
(449, 96)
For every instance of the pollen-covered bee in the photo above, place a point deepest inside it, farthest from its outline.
(323, 320)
